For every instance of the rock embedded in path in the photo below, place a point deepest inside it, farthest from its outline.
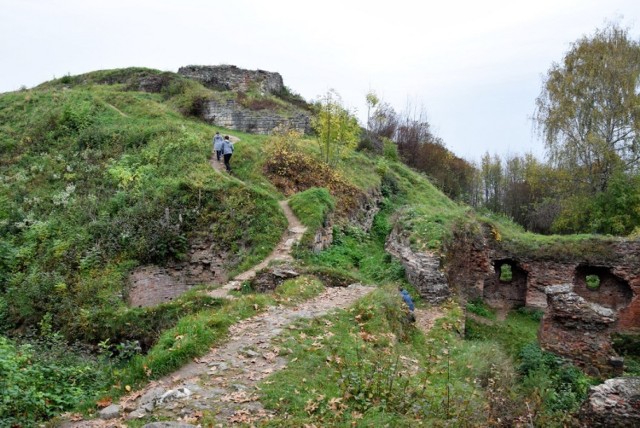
(110, 412)
(174, 394)
(137, 414)
(270, 278)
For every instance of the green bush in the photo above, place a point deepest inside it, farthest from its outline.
(627, 343)
(562, 386)
(390, 150)
(312, 207)
(593, 282)
(506, 275)
(35, 390)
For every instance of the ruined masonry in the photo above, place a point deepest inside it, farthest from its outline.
(230, 114)
(580, 319)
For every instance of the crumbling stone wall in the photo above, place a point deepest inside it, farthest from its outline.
(232, 78)
(230, 114)
(151, 285)
(422, 269)
(612, 292)
(580, 330)
(506, 293)
(361, 215)
(578, 321)
(614, 403)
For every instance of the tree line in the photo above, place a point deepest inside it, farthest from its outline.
(588, 113)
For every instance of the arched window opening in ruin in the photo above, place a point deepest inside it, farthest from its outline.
(508, 287)
(593, 282)
(598, 284)
(506, 274)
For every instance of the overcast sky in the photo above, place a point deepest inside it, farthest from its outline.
(475, 66)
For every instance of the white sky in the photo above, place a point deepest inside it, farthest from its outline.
(475, 66)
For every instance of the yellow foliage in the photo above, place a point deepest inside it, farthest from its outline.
(495, 233)
(292, 170)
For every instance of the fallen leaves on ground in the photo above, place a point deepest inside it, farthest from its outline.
(238, 397)
(104, 402)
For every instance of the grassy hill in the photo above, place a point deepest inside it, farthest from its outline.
(99, 177)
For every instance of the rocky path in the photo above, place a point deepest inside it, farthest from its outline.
(282, 252)
(224, 381)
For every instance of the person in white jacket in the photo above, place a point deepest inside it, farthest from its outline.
(227, 151)
(217, 145)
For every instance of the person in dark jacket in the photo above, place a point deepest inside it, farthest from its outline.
(227, 151)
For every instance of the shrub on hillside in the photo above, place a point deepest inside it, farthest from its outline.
(256, 103)
(312, 206)
(34, 389)
(292, 170)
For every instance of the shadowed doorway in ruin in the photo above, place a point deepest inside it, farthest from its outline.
(507, 288)
(598, 285)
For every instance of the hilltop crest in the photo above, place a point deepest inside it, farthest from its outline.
(232, 78)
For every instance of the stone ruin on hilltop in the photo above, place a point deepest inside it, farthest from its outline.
(230, 113)
(232, 78)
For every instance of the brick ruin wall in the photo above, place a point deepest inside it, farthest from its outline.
(578, 321)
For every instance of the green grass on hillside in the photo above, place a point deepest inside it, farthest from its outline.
(98, 179)
(427, 214)
(367, 366)
(515, 239)
(360, 255)
(312, 206)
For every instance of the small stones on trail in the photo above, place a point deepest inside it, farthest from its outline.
(137, 414)
(250, 353)
(225, 380)
(173, 394)
(238, 397)
(218, 366)
(168, 425)
(110, 412)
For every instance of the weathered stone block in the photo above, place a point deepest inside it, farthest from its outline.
(614, 403)
(422, 270)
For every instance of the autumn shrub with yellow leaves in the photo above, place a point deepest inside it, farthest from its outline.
(293, 169)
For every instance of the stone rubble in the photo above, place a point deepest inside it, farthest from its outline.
(614, 403)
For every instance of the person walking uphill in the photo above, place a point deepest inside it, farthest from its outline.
(217, 145)
(227, 151)
(409, 302)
